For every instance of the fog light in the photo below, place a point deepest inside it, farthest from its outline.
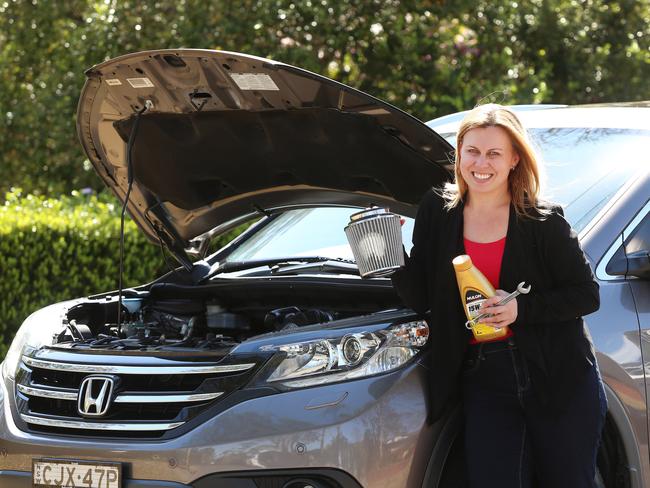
(304, 483)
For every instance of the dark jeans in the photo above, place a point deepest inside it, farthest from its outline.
(510, 440)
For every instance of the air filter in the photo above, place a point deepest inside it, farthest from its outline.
(375, 236)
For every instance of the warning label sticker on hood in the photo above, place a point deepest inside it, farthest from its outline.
(140, 82)
(254, 81)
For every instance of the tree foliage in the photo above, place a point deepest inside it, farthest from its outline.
(429, 57)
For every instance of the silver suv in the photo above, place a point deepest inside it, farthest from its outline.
(271, 363)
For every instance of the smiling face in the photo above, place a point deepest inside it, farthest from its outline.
(486, 159)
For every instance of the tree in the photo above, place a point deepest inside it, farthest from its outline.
(429, 57)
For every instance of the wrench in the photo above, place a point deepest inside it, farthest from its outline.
(521, 290)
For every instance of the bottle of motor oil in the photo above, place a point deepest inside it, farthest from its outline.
(474, 289)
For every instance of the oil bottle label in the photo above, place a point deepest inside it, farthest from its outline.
(473, 300)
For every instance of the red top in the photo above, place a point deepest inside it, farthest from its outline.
(487, 257)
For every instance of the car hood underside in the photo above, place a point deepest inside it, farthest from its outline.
(226, 135)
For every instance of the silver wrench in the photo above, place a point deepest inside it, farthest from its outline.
(521, 290)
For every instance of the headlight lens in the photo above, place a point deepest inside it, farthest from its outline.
(36, 331)
(352, 355)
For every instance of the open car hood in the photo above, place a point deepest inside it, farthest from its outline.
(227, 135)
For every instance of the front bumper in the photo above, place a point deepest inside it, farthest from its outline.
(372, 431)
(258, 479)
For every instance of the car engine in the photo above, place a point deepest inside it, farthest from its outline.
(215, 317)
(172, 324)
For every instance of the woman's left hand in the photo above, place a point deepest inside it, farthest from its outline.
(501, 315)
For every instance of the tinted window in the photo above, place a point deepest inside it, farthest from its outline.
(632, 255)
(639, 240)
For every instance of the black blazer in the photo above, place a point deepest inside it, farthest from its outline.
(549, 329)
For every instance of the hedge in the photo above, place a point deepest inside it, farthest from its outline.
(56, 249)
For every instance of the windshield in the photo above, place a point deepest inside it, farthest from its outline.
(584, 167)
(306, 232)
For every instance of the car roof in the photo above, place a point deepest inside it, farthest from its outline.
(631, 115)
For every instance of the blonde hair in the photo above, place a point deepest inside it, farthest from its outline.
(523, 181)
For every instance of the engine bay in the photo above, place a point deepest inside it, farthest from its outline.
(215, 317)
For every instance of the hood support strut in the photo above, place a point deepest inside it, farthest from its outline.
(164, 230)
(129, 169)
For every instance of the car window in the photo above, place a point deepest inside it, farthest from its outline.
(639, 240)
(306, 232)
(632, 253)
(585, 167)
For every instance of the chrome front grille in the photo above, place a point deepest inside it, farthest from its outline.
(126, 369)
(147, 399)
(71, 394)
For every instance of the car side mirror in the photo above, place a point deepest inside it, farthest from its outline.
(634, 264)
(632, 258)
(638, 264)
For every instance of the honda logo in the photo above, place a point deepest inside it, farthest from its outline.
(95, 395)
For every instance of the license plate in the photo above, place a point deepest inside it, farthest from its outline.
(66, 473)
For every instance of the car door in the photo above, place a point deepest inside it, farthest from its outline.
(627, 272)
(636, 246)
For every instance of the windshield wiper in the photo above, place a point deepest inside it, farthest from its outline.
(283, 262)
(328, 266)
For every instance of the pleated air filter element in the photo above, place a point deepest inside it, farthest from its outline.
(375, 236)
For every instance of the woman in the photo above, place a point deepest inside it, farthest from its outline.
(534, 403)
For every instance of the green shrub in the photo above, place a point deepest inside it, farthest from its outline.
(56, 249)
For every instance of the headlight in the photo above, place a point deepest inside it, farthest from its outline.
(36, 331)
(350, 355)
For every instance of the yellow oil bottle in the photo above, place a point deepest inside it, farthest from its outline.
(474, 289)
